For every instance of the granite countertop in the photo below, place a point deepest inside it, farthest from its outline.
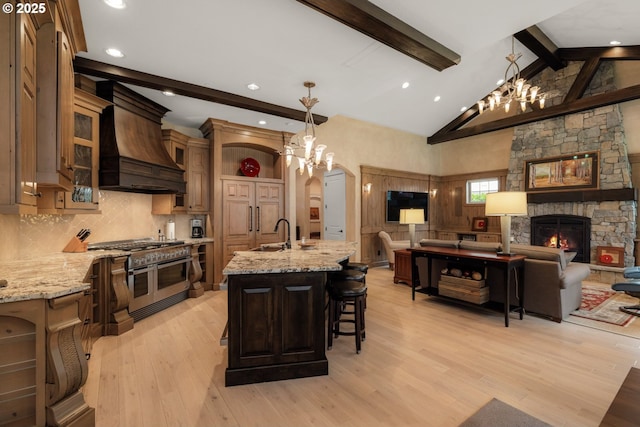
(49, 276)
(54, 275)
(197, 241)
(323, 255)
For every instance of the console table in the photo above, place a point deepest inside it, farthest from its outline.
(506, 263)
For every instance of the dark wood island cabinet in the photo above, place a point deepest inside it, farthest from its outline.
(276, 323)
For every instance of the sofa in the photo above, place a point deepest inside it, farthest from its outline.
(552, 283)
(392, 245)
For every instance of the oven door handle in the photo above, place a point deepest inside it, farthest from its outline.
(174, 262)
(134, 271)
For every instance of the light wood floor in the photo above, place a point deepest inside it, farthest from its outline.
(425, 363)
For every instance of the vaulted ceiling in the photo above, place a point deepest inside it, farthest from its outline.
(358, 53)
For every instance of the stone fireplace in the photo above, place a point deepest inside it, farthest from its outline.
(612, 220)
(568, 232)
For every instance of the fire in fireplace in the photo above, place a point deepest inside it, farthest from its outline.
(569, 232)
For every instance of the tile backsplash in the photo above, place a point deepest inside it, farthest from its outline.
(123, 216)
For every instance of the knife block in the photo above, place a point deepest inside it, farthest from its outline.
(75, 245)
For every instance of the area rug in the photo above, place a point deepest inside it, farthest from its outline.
(603, 304)
(498, 414)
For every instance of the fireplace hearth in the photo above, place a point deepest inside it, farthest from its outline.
(569, 232)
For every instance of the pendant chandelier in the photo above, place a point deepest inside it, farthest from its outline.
(308, 154)
(515, 90)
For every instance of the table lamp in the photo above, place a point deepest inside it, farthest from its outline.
(412, 217)
(506, 204)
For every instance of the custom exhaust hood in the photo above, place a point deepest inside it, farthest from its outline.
(132, 155)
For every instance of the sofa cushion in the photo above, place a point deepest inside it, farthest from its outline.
(439, 242)
(480, 246)
(541, 253)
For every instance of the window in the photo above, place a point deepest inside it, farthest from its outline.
(477, 189)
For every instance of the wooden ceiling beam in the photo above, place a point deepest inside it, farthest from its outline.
(581, 83)
(605, 53)
(537, 42)
(151, 81)
(621, 95)
(367, 18)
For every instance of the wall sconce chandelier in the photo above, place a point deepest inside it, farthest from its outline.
(309, 154)
(515, 90)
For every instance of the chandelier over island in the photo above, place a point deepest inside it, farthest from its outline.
(308, 153)
(515, 89)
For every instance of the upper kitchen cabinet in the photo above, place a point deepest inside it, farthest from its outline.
(58, 43)
(198, 175)
(18, 47)
(26, 112)
(85, 160)
(192, 156)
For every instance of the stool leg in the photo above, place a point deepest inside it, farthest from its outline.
(337, 315)
(358, 318)
(363, 307)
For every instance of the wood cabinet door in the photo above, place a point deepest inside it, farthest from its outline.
(275, 318)
(269, 208)
(198, 179)
(26, 144)
(65, 106)
(239, 209)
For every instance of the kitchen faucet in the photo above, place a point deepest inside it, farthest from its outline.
(288, 243)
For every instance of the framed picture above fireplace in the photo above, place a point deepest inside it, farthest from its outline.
(562, 173)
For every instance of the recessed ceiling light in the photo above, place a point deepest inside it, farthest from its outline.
(262, 122)
(253, 86)
(116, 53)
(499, 82)
(116, 4)
(405, 85)
(463, 108)
(168, 93)
(615, 43)
(437, 98)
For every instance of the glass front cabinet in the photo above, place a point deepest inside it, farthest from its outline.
(85, 159)
(86, 152)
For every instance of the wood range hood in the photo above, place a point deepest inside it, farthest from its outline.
(132, 155)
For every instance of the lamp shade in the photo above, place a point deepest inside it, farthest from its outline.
(506, 203)
(411, 216)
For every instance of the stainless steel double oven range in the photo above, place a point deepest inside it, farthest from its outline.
(157, 273)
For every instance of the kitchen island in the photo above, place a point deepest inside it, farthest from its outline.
(276, 320)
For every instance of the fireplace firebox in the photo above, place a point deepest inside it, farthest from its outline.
(569, 232)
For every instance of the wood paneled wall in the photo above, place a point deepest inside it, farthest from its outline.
(447, 207)
(374, 208)
(453, 213)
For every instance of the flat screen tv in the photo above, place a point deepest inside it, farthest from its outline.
(397, 200)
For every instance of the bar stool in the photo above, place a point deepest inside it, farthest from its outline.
(342, 292)
(360, 266)
(349, 275)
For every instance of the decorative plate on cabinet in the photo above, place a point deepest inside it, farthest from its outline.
(249, 167)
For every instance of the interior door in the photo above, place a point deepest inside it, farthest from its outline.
(334, 197)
